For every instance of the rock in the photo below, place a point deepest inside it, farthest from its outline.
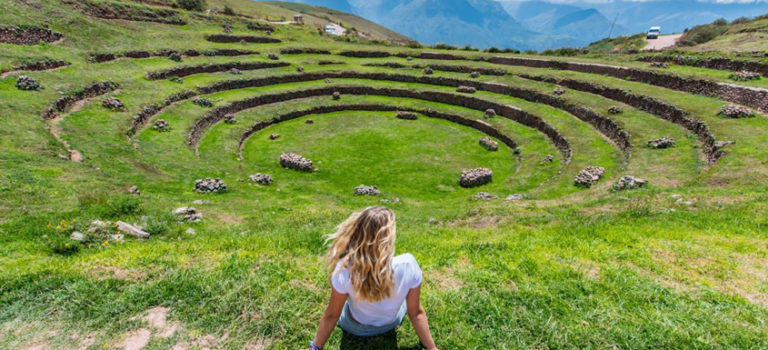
(230, 118)
(364, 190)
(514, 197)
(174, 56)
(433, 221)
(615, 110)
(235, 71)
(300, 69)
(227, 28)
(296, 162)
(409, 58)
(406, 115)
(134, 190)
(77, 236)
(178, 80)
(483, 196)
(161, 125)
(663, 142)
(274, 136)
(745, 76)
(475, 177)
(209, 185)
(203, 102)
(734, 111)
(113, 103)
(490, 113)
(489, 144)
(559, 90)
(659, 65)
(273, 56)
(187, 214)
(190, 231)
(201, 202)
(264, 179)
(336, 95)
(721, 144)
(428, 71)
(549, 158)
(629, 182)
(27, 83)
(310, 121)
(588, 176)
(466, 89)
(474, 75)
(132, 230)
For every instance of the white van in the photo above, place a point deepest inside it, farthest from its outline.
(653, 33)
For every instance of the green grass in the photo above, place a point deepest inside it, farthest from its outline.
(564, 268)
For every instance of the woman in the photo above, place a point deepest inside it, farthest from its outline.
(373, 289)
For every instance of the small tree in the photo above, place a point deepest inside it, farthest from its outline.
(192, 5)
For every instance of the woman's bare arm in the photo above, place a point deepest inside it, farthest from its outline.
(419, 318)
(330, 317)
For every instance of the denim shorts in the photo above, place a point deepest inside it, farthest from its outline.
(351, 326)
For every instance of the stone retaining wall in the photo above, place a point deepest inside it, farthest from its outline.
(651, 105)
(212, 68)
(305, 50)
(720, 63)
(222, 38)
(365, 54)
(63, 103)
(39, 65)
(27, 35)
(467, 69)
(146, 113)
(749, 96)
(106, 56)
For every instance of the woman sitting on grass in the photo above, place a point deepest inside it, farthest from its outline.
(372, 288)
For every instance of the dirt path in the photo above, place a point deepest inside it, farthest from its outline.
(663, 42)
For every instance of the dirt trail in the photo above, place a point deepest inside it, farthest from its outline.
(663, 42)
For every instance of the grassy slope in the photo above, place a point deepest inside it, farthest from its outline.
(567, 268)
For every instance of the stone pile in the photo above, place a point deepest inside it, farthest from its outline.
(274, 136)
(489, 144)
(203, 102)
(264, 179)
(734, 111)
(174, 56)
(407, 115)
(466, 89)
(483, 196)
(549, 158)
(474, 74)
(187, 214)
(310, 121)
(230, 118)
(161, 125)
(629, 183)
(615, 110)
(134, 190)
(27, 83)
(428, 71)
(235, 71)
(514, 197)
(664, 142)
(27, 35)
(559, 90)
(113, 103)
(336, 95)
(745, 76)
(659, 65)
(364, 190)
(490, 113)
(589, 176)
(300, 69)
(209, 185)
(273, 56)
(475, 177)
(296, 162)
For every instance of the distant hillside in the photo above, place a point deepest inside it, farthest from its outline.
(742, 34)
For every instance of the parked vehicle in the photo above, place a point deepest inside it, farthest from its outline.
(653, 33)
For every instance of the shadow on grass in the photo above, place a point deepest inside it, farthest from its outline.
(385, 341)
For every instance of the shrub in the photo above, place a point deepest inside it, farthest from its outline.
(701, 34)
(228, 11)
(720, 22)
(63, 246)
(741, 20)
(124, 205)
(158, 225)
(191, 5)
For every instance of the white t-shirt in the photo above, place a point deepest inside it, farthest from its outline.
(407, 276)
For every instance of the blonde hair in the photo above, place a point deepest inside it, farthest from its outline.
(365, 244)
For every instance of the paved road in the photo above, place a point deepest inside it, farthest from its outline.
(662, 42)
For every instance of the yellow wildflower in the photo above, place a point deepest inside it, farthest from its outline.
(66, 244)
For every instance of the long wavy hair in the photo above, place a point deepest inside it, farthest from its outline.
(365, 244)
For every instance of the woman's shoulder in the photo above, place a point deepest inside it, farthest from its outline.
(405, 259)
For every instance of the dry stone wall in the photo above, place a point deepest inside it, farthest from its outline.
(212, 68)
(63, 103)
(28, 35)
(223, 38)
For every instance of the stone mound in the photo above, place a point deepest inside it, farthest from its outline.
(203, 102)
(187, 214)
(264, 179)
(483, 196)
(230, 118)
(235, 71)
(407, 115)
(549, 158)
(274, 136)
(664, 142)
(296, 162)
(428, 71)
(27, 83)
(310, 121)
(300, 69)
(559, 90)
(174, 56)
(474, 74)
(336, 95)
(615, 110)
(589, 176)
(475, 177)
(466, 89)
(514, 197)
(365, 190)
(273, 56)
(209, 185)
(489, 144)
(735, 112)
(629, 183)
(745, 76)
(161, 125)
(27, 35)
(490, 113)
(113, 103)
